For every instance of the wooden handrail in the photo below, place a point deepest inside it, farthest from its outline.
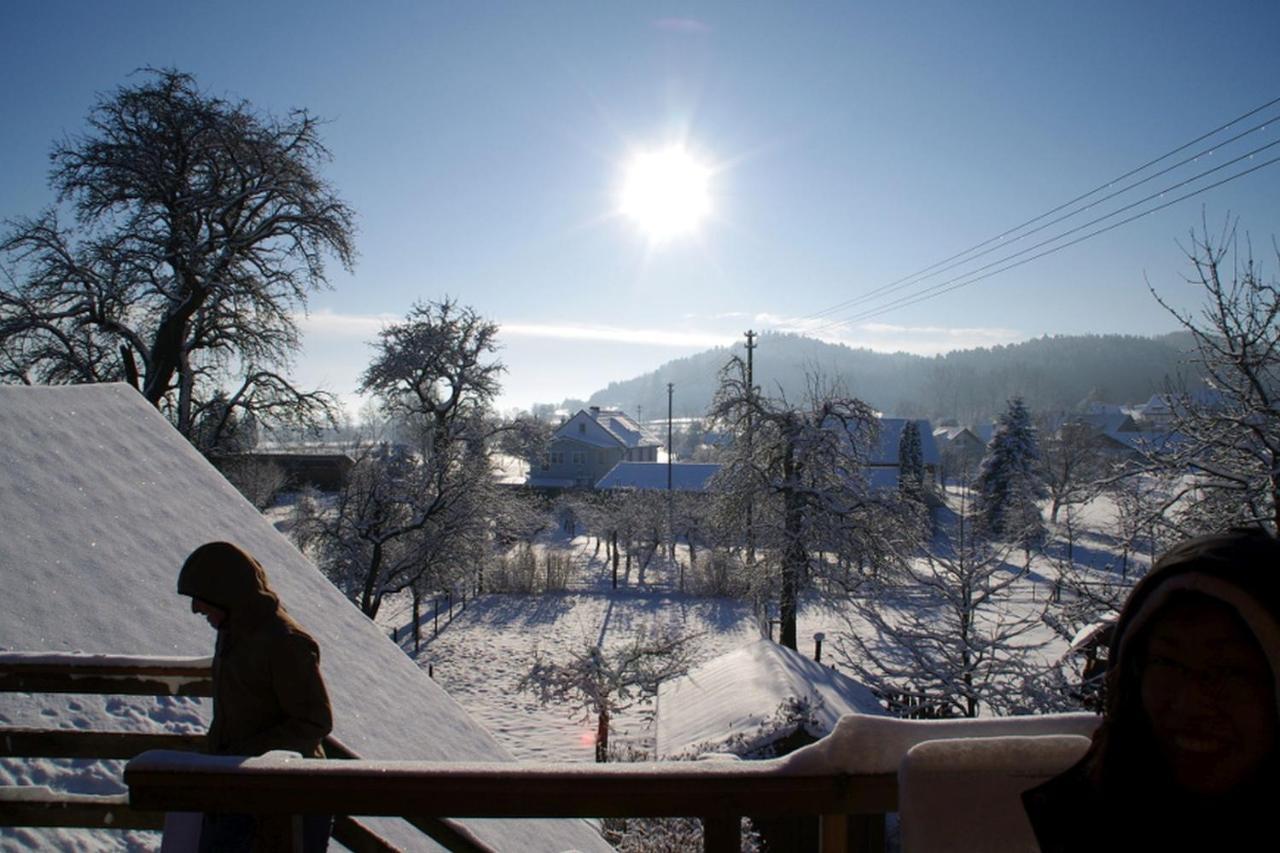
(270, 785)
(717, 792)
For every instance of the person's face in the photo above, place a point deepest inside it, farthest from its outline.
(215, 614)
(1209, 697)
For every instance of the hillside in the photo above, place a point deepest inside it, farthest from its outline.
(1056, 372)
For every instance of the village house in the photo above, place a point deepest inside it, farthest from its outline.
(589, 444)
(883, 469)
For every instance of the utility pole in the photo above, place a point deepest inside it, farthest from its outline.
(751, 396)
(671, 531)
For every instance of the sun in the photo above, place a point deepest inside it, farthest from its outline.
(666, 192)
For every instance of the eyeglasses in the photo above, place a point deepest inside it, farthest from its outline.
(1224, 681)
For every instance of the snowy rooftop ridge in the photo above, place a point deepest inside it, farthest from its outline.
(734, 698)
(102, 501)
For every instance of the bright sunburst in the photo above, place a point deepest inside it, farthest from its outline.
(666, 192)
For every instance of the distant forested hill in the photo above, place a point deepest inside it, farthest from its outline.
(1051, 373)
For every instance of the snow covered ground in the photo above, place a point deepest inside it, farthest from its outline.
(482, 653)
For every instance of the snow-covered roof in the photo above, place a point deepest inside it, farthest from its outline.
(735, 698)
(102, 500)
(950, 434)
(685, 476)
(886, 450)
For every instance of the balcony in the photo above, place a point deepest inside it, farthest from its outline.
(848, 781)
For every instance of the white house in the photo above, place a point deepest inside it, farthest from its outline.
(589, 444)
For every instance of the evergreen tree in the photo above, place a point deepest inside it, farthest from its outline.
(1008, 481)
(910, 461)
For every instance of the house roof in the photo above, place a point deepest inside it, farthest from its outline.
(622, 427)
(102, 500)
(685, 476)
(734, 699)
(605, 428)
(885, 452)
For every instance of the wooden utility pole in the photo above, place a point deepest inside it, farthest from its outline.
(671, 531)
(751, 395)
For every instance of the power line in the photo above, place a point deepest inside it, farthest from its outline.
(959, 281)
(1095, 203)
(934, 267)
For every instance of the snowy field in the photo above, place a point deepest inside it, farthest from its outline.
(481, 654)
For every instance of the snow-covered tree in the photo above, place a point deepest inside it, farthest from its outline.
(910, 461)
(1008, 481)
(419, 513)
(399, 522)
(597, 682)
(1071, 465)
(799, 471)
(1229, 437)
(199, 228)
(945, 637)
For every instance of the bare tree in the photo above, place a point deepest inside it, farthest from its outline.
(945, 638)
(1070, 464)
(398, 523)
(1229, 438)
(801, 470)
(200, 228)
(599, 683)
(436, 367)
(421, 514)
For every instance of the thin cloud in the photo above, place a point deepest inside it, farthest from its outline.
(995, 333)
(616, 335)
(364, 326)
(888, 337)
(690, 26)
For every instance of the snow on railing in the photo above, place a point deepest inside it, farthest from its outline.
(78, 672)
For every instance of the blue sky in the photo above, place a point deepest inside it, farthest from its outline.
(483, 147)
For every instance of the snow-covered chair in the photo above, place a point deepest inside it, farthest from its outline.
(964, 794)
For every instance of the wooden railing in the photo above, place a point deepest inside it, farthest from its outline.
(850, 807)
(38, 806)
(719, 792)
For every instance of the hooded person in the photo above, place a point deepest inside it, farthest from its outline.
(268, 693)
(1186, 757)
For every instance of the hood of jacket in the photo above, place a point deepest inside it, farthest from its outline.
(1239, 569)
(226, 576)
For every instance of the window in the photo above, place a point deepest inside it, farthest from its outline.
(582, 428)
(557, 457)
(579, 457)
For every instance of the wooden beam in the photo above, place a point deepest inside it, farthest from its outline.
(24, 742)
(26, 806)
(722, 834)
(71, 673)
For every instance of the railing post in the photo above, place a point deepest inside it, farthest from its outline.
(721, 834)
(865, 833)
(833, 833)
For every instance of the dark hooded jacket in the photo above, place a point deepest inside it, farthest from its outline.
(267, 689)
(1117, 796)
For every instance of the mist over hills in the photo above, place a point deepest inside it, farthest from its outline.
(1052, 373)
